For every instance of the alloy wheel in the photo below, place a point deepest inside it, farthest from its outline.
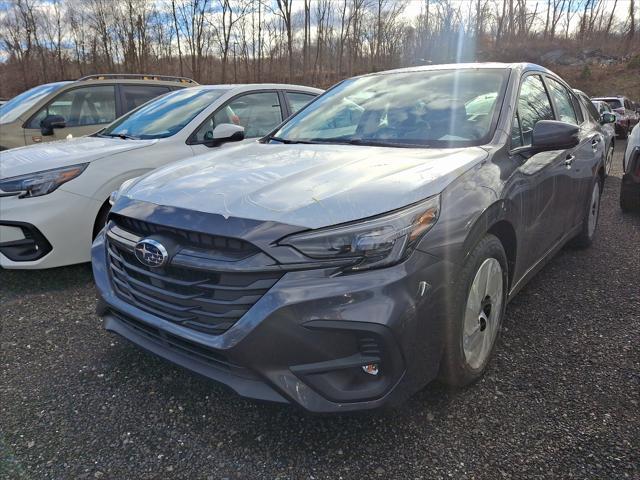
(482, 313)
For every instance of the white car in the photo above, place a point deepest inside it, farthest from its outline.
(54, 196)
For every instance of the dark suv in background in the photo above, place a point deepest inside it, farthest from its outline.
(55, 110)
(626, 112)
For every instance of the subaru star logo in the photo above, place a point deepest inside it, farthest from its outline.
(151, 253)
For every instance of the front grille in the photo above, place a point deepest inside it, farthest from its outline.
(233, 246)
(204, 300)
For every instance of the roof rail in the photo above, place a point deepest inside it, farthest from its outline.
(137, 76)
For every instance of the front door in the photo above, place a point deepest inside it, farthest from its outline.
(258, 112)
(85, 110)
(540, 179)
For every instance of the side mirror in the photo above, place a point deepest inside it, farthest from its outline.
(225, 132)
(48, 123)
(554, 135)
(607, 118)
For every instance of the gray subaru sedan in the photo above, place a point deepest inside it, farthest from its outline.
(364, 248)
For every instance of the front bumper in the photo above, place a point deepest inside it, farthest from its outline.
(55, 230)
(305, 341)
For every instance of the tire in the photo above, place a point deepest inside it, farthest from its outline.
(629, 199)
(625, 133)
(101, 219)
(590, 218)
(467, 351)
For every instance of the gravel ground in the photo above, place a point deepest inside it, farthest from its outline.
(559, 401)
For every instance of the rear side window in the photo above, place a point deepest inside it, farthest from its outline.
(135, 95)
(533, 105)
(593, 111)
(94, 105)
(298, 100)
(562, 100)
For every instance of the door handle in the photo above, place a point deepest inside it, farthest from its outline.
(568, 161)
(595, 142)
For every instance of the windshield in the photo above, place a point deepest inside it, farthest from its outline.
(15, 107)
(436, 108)
(164, 116)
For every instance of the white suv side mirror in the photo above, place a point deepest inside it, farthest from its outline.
(225, 132)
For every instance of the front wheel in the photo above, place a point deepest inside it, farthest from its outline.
(101, 219)
(477, 308)
(590, 218)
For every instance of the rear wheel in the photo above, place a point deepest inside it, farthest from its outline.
(624, 133)
(590, 218)
(609, 160)
(477, 305)
(629, 199)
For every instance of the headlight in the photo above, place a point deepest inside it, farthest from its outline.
(372, 243)
(39, 183)
(123, 188)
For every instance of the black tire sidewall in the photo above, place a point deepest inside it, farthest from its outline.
(455, 370)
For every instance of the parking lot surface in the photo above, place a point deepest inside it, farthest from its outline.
(560, 400)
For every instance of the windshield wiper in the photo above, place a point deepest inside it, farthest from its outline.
(367, 143)
(123, 136)
(286, 141)
(379, 143)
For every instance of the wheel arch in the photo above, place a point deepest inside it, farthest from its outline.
(104, 207)
(505, 232)
(497, 220)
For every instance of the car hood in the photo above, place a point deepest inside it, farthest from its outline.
(310, 186)
(45, 156)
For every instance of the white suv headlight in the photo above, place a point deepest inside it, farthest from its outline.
(39, 183)
(371, 243)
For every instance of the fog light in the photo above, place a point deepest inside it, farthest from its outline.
(371, 369)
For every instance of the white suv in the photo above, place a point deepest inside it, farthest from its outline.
(54, 197)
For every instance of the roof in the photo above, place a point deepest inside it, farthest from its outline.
(461, 66)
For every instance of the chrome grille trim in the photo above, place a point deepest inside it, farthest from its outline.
(210, 301)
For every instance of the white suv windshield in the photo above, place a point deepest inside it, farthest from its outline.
(434, 108)
(164, 116)
(15, 107)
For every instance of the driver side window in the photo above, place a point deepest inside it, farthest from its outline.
(258, 113)
(93, 105)
(533, 105)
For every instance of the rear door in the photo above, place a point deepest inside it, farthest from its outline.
(298, 100)
(578, 174)
(85, 109)
(132, 96)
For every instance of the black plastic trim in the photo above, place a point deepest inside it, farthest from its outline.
(33, 247)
